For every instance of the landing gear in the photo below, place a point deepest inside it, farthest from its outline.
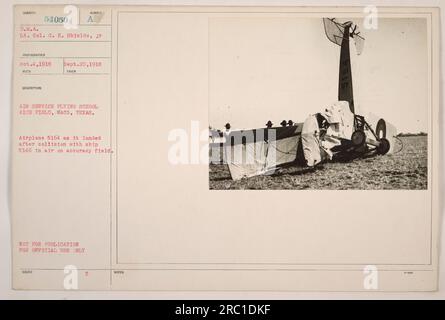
(383, 146)
(364, 141)
(358, 138)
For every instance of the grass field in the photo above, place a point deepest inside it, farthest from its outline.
(406, 169)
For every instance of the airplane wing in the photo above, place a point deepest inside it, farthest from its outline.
(260, 151)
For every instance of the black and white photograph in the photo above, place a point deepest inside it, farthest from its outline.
(318, 103)
(234, 151)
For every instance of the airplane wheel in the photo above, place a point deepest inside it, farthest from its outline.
(380, 129)
(384, 146)
(358, 138)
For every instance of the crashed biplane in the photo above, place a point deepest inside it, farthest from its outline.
(336, 133)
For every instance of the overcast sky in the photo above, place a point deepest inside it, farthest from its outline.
(285, 68)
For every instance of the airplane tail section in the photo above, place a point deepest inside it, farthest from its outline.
(340, 34)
